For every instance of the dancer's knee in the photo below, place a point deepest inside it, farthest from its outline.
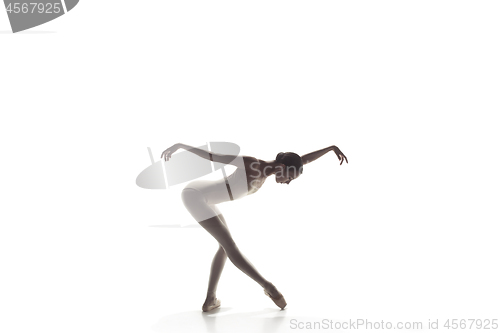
(232, 251)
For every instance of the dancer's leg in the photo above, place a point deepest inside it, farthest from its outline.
(215, 271)
(217, 266)
(221, 233)
(210, 219)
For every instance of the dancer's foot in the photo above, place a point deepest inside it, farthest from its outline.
(272, 290)
(273, 293)
(211, 303)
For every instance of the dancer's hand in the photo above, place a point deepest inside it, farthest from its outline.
(340, 155)
(167, 154)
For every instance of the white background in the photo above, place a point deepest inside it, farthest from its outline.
(408, 230)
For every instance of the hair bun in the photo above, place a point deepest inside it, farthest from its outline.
(279, 157)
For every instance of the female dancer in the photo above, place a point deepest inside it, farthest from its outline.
(201, 196)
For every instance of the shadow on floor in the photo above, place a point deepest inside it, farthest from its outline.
(176, 226)
(225, 320)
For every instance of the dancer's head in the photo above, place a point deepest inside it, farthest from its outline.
(293, 170)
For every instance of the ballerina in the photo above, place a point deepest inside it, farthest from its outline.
(200, 197)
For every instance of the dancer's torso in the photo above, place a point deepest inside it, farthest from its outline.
(243, 181)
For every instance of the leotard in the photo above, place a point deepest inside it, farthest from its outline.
(201, 196)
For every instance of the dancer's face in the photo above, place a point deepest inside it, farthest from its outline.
(286, 175)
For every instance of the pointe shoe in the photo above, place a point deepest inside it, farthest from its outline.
(211, 306)
(279, 301)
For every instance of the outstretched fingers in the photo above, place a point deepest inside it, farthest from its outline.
(342, 159)
(340, 155)
(166, 155)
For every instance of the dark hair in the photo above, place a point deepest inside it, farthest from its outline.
(290, 160)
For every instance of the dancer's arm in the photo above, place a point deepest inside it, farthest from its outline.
(308, 158)
(225, 159)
